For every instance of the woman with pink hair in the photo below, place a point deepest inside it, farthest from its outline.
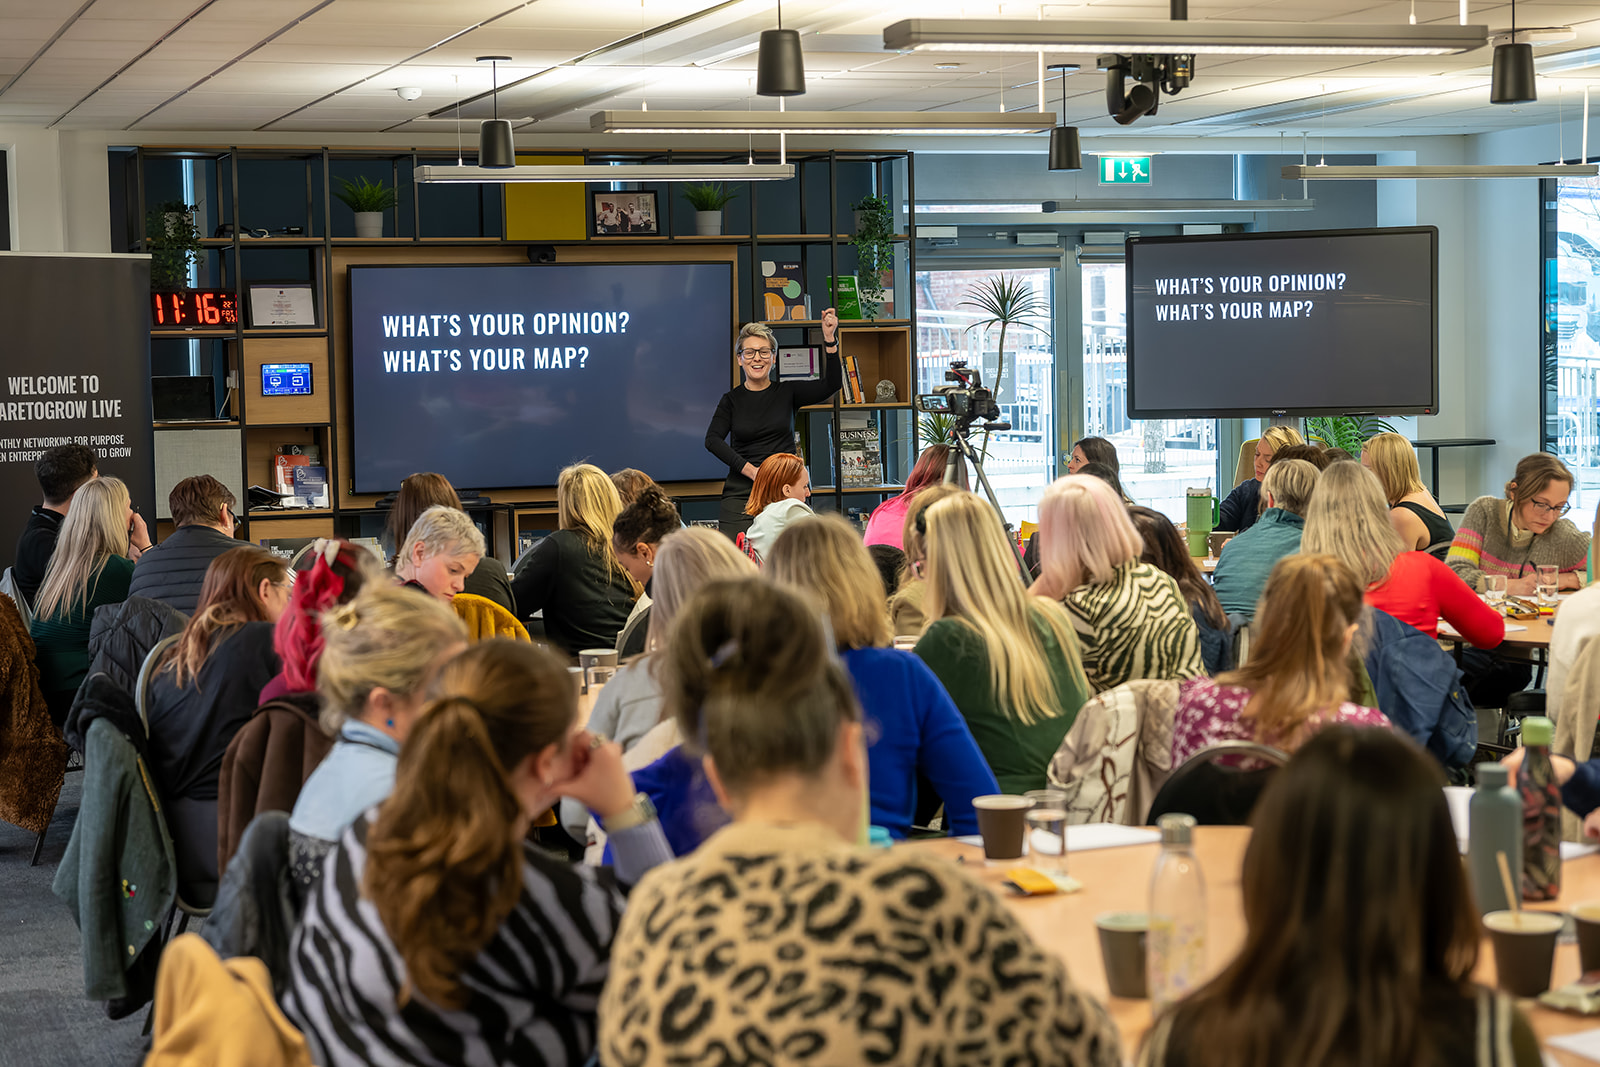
(337, 574)
(1131, 618)
(887, 525)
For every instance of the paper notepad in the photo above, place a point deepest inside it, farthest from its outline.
(1085, 838)
(1446, 630)
(1585, 1043)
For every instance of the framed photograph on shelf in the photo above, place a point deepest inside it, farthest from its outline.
(625, 215)
(282, 304)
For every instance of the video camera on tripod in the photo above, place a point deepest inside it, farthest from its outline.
(968, 400)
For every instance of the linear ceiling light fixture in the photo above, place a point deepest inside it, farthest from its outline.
(1205, 37)
(495, 146)
(1465, 170)
(603, 172)
(821, 122)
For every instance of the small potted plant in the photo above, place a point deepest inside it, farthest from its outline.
(708, 200)
(369, 200)
(174, 245)
(874, 245)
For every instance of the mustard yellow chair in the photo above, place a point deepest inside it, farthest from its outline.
(485, 619)
(1247, 463)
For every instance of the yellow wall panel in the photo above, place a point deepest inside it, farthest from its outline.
(546, 211)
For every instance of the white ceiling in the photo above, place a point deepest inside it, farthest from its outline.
(333, 65)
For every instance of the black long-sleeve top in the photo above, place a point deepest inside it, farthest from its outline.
(762, 422)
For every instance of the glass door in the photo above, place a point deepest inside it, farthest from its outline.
(1159, 459)
(1016, 461)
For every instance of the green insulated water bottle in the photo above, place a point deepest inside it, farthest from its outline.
(1202, 519)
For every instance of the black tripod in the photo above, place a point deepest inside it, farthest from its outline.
(961, 451)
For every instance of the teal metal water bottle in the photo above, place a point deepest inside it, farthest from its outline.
(1496, 826)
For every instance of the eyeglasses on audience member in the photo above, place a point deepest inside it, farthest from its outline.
(1549, 509)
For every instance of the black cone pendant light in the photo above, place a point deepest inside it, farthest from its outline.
(1065, 151)
(1511, 80)
(780, 66)
(495, 146)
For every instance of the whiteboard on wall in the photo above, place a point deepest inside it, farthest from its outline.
(183, 454)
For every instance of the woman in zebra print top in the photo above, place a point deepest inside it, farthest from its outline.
(436, 935)
(1131, 619)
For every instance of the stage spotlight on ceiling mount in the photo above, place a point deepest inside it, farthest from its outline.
(1153, 75)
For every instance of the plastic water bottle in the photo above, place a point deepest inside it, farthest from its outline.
(1496, 826)
(1177, 940)
(1541, 812)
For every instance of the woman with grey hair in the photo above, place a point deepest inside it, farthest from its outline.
(442, 547)
(756, 419)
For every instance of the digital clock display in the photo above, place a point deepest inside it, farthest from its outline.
(194, 309)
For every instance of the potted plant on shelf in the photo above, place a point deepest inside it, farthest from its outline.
(874, 245)
(174, 245)
(708, 200)
(369, 200)
(1005, 301)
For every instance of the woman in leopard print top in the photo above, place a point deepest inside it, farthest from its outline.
(780, 941)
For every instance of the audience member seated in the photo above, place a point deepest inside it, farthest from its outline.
(1336, 454)
(1093, 450)
(777, 498)
(174, 572)
(573, 575)
(1297, 679)
(417, 494)
(1107, 475)
(1246, 560)
(891, 564)
(888, 521)
(630, 483)
(1515, 535)
(1353, 865)
(635, 537)
(442, 547)
(1166, 550)
(1239, 511)
(90, 567)
(1417, 516)
(906, 602)
(436, 933)
(628, 709)
(202, 691)
(911, 725)
(1311, 452)
(379, 652)
(1576, 624)
(337, 573)
(1349, 518)
(1008, 660)
(885, 926)
(1132, 620)
(1580, 786)
(60, 471)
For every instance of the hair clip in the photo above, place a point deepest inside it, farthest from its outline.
(345, 616)
(727, 651)
(327, 548)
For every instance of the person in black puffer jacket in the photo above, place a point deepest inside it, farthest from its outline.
(173, 571)
(122, 635)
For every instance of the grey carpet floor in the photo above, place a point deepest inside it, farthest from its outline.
(44, 1019)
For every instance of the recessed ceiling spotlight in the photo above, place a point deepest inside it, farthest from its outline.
(408, 92)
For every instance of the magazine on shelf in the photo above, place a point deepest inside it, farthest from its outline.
(860, 456)
(846, 296)
(783, 292)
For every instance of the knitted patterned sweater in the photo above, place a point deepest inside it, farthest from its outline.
(1487, 543)
(781, 944)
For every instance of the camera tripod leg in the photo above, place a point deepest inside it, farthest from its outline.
(963, 450)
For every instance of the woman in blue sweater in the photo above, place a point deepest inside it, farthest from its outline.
(912, 725)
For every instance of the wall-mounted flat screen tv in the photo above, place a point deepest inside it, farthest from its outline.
(498, 376)
(1312, 322)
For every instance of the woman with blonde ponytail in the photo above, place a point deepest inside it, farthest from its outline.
(436, 934)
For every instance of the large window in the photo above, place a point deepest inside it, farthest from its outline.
(1572, 330)
(1160, 459)
(1017, 461)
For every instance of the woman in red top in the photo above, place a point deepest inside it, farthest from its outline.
(1348, 517)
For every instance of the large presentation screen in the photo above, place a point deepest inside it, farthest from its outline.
(499, 376)
(1323, 322)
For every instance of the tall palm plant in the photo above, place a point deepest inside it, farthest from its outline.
(1005, 300)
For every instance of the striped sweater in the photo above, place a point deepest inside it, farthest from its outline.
(1486, 544)
(1136, 625)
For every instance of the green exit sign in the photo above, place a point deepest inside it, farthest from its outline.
(1124, 170)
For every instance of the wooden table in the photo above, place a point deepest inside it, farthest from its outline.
(1118, 879)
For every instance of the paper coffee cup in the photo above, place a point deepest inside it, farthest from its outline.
(1524, 949)
(1122, 949)
(1003, 822)
(1586, 917)
(597, 657)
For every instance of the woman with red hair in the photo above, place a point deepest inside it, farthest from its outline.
(887, 525)
(338, 571)
(777, 498)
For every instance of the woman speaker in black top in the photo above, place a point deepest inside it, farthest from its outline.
(756, 419)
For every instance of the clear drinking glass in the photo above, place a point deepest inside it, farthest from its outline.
(1494, 591)
(1049, 814)
(1545, 591)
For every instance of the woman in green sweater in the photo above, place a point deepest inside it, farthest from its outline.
(90, 567)
(1008, 660)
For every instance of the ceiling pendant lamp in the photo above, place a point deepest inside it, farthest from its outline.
(780, 66)
(1065, 151)
(495, 146)
(1511, 80)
